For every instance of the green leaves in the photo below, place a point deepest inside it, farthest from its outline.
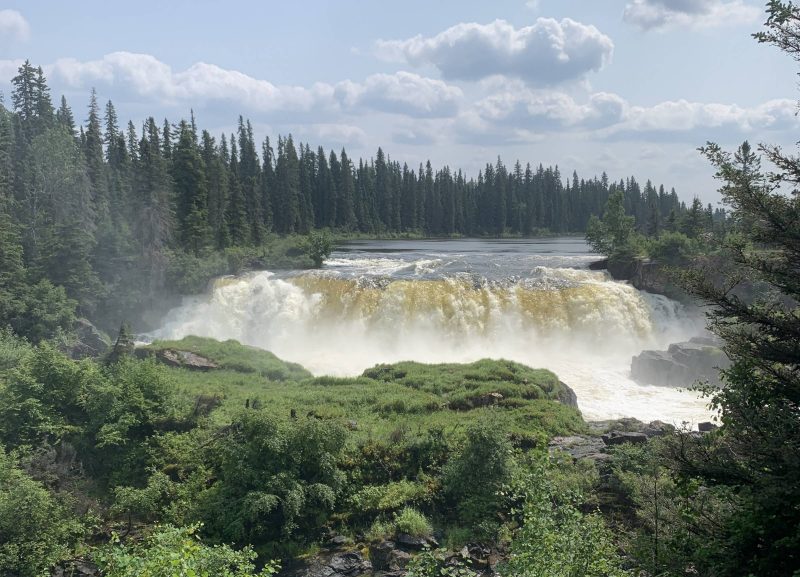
(177, 552)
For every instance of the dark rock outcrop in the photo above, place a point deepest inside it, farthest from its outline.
(620, 437)
(567, 396)
(380, 554)
(608, 433)
(349, 564)
(90, 341)
(175, 358)
(580, 447)
(681, 365)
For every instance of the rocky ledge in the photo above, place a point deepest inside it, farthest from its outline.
(681, 365)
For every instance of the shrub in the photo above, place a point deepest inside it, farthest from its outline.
(412, 522)
(177, 551)
(36, 528)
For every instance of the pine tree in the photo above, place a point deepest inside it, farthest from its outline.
(191, 191)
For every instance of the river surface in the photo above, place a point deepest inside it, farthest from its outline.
(533, 301)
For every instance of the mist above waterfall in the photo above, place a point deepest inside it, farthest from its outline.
(457, 302)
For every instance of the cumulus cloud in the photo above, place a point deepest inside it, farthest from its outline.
(337, 135)
(13, 26)
(683, 116)
(546, 53)
(519, 114)
(402, 93)
(547, 109)
(145, 75)
(650, 14)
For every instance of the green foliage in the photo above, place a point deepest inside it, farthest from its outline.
(673, 248)
(276, 480)
(318, 247)
(237, 357)
(473, 479)
(37, 529)
(556, 539)
(434, 564)
(389, 497)
(412, 522)
(12, 349)
(106, 413)
(612, 234)
(177, 552)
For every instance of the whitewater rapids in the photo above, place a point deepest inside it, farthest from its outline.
(363, 309)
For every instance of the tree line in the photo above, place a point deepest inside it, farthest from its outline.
(102, 210)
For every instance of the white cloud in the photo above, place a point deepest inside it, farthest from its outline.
(13, 26)
(548, 52)
(545, 110)
(145, 75)
(402, 93)
(337, 135)
(649, 14)
(520, 113)
(683, 116)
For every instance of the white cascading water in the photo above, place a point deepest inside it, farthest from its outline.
(578, 323)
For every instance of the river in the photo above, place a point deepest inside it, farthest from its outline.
(533, 301)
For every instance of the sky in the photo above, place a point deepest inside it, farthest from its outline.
(630, 87)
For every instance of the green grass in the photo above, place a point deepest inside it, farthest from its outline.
(237, 357)
(388, 402)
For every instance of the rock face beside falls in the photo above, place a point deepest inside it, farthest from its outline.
(681, 365)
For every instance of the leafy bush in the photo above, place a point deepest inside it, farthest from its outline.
(473, 479)
(36, 528)
(177, 552)
(276, 480)
(556, 538)
(412, 522)
(673, 247)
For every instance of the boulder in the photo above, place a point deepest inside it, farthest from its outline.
(620, 437)
(579, 447)
(90, 341)
(566, 396)
(409, 542)
(681, 365)
(399, 560)
(349, 564)
(599, 264)
(177, 358)
(706, 427)
(380, 554)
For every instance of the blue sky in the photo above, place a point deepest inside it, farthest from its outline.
(626, 86)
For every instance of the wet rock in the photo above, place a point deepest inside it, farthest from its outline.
(620, 437)
(599, 264)
(658, 429)
(337, 541)
(681, 365)
(579, 447)
(349, 564)
(399, 560)
(380, 554)
(407, 541)
(566, 396)
(706, 427)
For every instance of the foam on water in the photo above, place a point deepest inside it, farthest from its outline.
(358, 312)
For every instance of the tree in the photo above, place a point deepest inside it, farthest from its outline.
(611, 234)
(755, 310)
